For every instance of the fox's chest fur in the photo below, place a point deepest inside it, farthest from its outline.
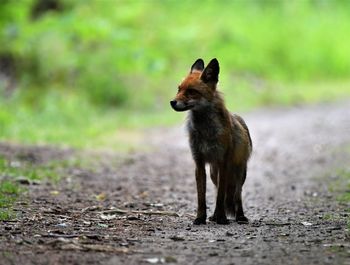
(205, 129)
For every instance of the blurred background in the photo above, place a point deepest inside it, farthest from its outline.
(91, 74)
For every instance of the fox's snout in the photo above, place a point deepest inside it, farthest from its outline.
(180, 105)
(173, 103)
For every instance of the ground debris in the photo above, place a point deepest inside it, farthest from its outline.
(154, 260)
(94, 247)
(91, 208)
(65, 243)
(144, 212)
(306, 223)
(278, 224)
(177, 238)
(108, 216)
(60, 235)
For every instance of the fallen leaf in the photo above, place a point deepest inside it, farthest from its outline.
(143, 194)
(101, 197)
(170, 259)
(54, 192)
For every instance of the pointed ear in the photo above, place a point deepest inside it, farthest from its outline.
(211, 72)
(198, 65)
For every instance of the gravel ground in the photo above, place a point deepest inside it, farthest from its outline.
(138, 208)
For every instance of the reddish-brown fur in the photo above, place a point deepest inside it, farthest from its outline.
(217, 138)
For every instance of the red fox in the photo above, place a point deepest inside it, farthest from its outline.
(217, 138)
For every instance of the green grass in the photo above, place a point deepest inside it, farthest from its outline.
(8, 195)
(342, 188)
(10, 189)
(344, 197)
(68, 120)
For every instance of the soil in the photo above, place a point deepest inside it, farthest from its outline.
(138, 208)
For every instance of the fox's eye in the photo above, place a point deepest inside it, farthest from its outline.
(191, 91)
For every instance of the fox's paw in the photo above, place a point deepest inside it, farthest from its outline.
(222, 220)
(212, 218)
(200, 221)
(242, 220)
(219, 219)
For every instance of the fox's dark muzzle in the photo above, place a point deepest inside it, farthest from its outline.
(181, 106)
(173, 103)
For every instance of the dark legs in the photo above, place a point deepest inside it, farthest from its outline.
(229, 181)
(229, 194)
(201, 189)
(237, 198)
(219, 213)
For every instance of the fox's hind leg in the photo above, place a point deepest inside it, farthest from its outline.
(230, 192)
(219, 215)
(238, 207)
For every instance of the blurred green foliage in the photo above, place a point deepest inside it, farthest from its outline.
(73, 60)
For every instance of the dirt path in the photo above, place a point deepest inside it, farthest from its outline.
(294, 218)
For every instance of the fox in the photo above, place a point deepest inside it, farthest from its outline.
(217, 138)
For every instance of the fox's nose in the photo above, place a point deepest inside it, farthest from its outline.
(173, 103)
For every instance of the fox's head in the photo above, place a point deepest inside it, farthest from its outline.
(198, 89)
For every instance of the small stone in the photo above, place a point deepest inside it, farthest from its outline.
(306, 223)
(23, 180)
(16, 164)
(177, 238)
(157, 205)
(132, 218)
(62, 225)
(155, 260)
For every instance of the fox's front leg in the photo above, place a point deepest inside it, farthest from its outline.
(201, 181)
